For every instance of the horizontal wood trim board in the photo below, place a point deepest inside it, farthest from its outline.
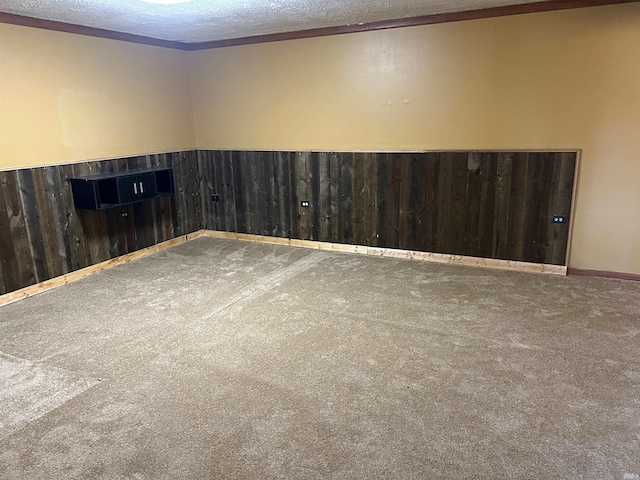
(396, 253)
(98, 267)
(24, 21)
(603, 274)
(534, 7)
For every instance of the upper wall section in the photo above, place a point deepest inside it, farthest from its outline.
(555, 80)
(67, 98)
(563, 79)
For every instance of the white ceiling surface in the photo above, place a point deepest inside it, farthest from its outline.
(206, 20)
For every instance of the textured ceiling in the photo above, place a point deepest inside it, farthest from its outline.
(206, 20)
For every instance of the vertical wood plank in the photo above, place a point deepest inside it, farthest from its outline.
(324, 210)
(392, 236)
(238, 192)
(532, 251)
(563, 203)
(458, 202)
(207, 188)
(8, 262)
(178, 203)
(224, 164)
(259, 197)
(406, 212)
(164, 209)
(283, 193)
(273, 200)
(59, 217)
(302, 190)
(502, 211)
(346, 198)
(358, 199)
(544, 213)
(267, 202)
(47, 227)
(29, 206)
(382, 193)
(552, 189)
(296, 214)
(12, 247)
(314, 185)
(195, 217)
(432, 181)
(79, 248)
(215, 182)
(515, 227)
(250, 195)
(419, 202)
(472, 208)
(263, 201)
(336, 197)
(445, 174)
(370, 199)
(117, 242)
(488, 175)
(17, 222)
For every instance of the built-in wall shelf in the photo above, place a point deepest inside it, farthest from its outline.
(108, 190)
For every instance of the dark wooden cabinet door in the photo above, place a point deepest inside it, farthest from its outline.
(147, 185)
(128, 189)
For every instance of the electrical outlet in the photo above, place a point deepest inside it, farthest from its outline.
(304, 203)
(124, 214)
(559, 219)
(215, 197)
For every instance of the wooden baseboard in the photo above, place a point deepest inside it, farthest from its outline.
(397, 253)
(32, 290)
(470, 261)
(603, 274)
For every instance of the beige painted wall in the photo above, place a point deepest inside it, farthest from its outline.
(67, 98)
(557, 80)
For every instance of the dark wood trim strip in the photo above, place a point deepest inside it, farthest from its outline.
(88, 31)
(536, 7)
(603, 273)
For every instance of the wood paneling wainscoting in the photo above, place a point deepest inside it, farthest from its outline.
(480, 204)
(493, 205)
(42, 234)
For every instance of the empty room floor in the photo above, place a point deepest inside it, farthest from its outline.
(233, 360)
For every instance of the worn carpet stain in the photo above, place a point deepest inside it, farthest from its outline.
(29, 390)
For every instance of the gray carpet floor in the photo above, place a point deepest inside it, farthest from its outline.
(233, 360)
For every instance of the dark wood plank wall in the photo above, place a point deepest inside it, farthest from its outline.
(42, 235)
(493, 205)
